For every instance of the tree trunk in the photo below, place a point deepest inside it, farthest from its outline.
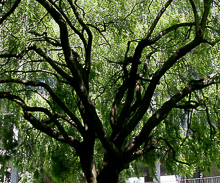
(87, 161)
(108, 175)
(90, 173)
(109, 170)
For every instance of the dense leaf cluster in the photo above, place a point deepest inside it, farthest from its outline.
(96, 87)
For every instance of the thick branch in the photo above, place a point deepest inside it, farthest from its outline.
(44, 110)
(53, 95)
(159, 15)
(135, 60)
(36, 123)
(189, 105)
(152, 86)
(15, 5)
(70, 23)
(76, 71)
(88, 46)
(99, 129)
(117, 102)
(140, 153)
(162, 113)
(71, 61)
(168, 30)
(67, 119)
(9, 55)
(195, 15)
(207, 4)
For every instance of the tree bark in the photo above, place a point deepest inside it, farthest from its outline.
(110, 169)
(108, 174)
(87, 161)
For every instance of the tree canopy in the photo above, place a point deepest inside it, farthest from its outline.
(95, 87)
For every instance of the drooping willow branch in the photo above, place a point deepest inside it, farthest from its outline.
(52, 94)
(61, 136)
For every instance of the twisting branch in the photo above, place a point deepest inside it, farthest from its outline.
(212, 128)
(40, 52)
(162, 113)
(44, 36)
(75, 2)
(159, 15)
(174, 153)
(69, 23)
(37, 71)
(70, 59)
(38, 21)
(88, 47)
(168, 30)
(152, 86)
(195, 15)
(100, 32)
(40, 94)
(37, 124)
(53, 95)
(132, 10)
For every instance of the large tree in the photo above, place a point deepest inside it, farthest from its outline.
(93, 86)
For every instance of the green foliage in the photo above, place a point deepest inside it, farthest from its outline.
(27, 177)
(65, 81)
(64, 165)
(8, 140)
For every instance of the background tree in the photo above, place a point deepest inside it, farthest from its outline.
(93, 86)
